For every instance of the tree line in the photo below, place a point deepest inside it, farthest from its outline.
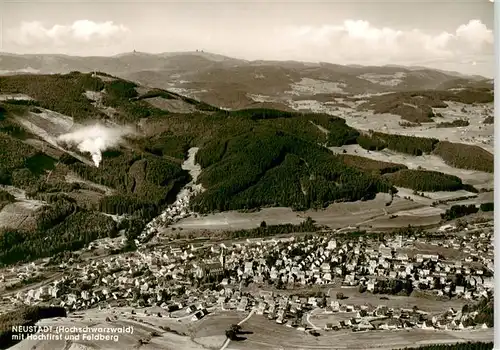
(457, 155)
(465, 156)
(457, 346)
(5, 198)
(487, 206)
(391, 287)
(453, 124)
(457, 211)
(425, 180)
(265, 230)
(413, 145)
(61, 227)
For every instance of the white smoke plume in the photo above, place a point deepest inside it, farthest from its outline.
(95, 139)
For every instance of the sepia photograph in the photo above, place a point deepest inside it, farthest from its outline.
(247, 175)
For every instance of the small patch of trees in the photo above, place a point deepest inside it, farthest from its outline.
(489, 120)
(487, 206)
(453, 124)
(371, 143)
(341, 296)
(416, 146)
(233, 331)
(5, 198)
(265, 230)
(465, 156)
(425, 180)
(457, 211)
(394, 287)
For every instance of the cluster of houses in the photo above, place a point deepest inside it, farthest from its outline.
(180, 208)
(197, 278)
(175, 212)
(285, 309)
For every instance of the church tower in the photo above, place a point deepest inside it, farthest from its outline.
(222, 259)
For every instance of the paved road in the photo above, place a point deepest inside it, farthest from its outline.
(309, 322)
(35, 285)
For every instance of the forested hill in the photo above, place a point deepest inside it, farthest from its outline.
(250, 158)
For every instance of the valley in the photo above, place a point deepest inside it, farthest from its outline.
(218, 143)
(161, 180)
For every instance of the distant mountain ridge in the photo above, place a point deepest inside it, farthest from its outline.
(38, 60)
(228, 82)
(457, 74)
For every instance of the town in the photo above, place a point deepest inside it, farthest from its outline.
(326, 281)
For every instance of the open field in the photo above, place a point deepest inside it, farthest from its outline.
(209, 331)
(340, 215)
(267, 335)
(484, 197)
(402, 220)
(173, 106)
(235, 220)
(476, 133)
(74, 178)
(19, 214)
(314, 86)
(373, 213)
(429, 197)
(428, 162)
(47, 124)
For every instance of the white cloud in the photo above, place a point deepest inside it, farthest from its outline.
(357, 41)
(79, 32)
(348, 42)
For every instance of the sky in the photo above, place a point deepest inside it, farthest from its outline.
(449, 34)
